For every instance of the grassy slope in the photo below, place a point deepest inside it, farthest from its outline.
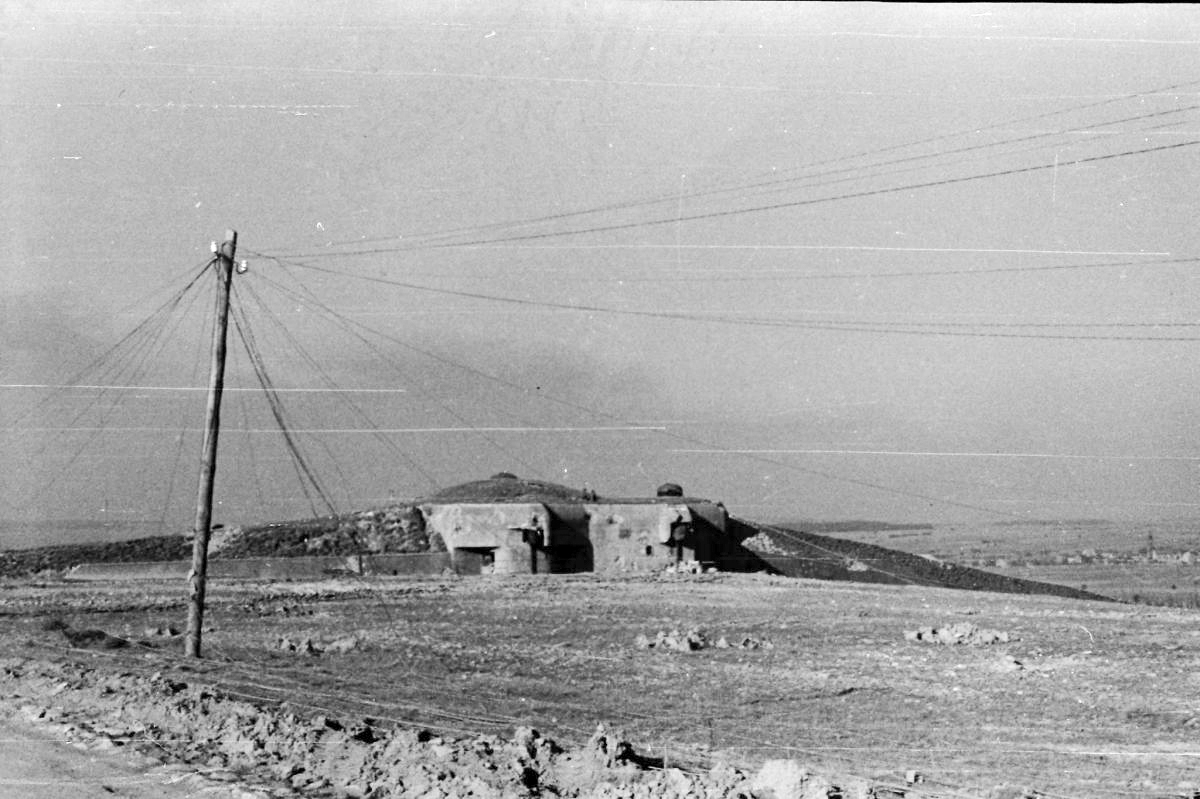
(801, 554)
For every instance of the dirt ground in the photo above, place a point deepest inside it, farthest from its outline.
(48, 761)
(1083, 699)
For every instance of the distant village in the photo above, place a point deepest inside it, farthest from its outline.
(1087, 557)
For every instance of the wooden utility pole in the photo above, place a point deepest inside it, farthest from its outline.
(198, 575)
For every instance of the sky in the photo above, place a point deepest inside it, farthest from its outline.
(819, 261)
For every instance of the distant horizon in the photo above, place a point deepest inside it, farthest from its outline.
(41, 533)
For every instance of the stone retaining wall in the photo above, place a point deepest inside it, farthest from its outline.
(267, 568)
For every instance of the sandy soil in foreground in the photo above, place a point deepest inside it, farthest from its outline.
(411, 687)
(49, 760)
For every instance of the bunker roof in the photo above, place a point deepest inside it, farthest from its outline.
(505, 487)
(508, 488)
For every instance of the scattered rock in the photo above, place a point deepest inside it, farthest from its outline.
(695, 639)
(304, 646)
(92, 639)
(307, 646)
(783, 778)
(340, 646)
(685, 567)
(610, 749)
(266, 608)
(749, 642)
(960, 633)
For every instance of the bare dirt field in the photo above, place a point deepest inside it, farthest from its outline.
(46, 761)
(1084, 699)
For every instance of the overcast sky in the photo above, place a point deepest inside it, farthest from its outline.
(816, 261)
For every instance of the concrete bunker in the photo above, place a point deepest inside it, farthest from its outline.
(506, 525)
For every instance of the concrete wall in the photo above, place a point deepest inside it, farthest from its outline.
(519, 538)
(472, 526)
(494, 537)
(633, 537)
(649, 536)
(267, 568)
(414, 563)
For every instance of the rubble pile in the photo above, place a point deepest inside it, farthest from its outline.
(396, 528)
(273, 752)
(306, 645)
(400, 528)
(267, 607)
(686, 567)
(84, 639)
(763, 543)
(960, 633)
(695, 639)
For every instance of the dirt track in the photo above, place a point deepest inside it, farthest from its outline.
(1084, 699)
(52, 761)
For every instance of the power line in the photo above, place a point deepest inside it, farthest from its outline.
(900, 328)
(144, 341)
(135, 334)
(870, 171)
(347, 326)
(689, 440)
(943, 454)
(789, 275)
(950, 324)
(331, 386)
(197, 359)
(304, 355)
(366, 430)
(774, 175)
(761, 208)
(783, 183)
(805, 247)
(81, 386)
(304, 471)
(995, 270)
